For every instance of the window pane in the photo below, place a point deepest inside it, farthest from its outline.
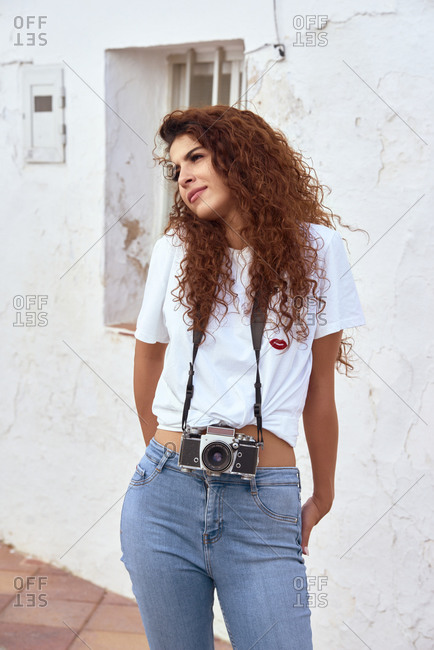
(178, 81)
(224, 88)
(201, 90)
(202, 69)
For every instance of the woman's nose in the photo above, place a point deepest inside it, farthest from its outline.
(185, 177)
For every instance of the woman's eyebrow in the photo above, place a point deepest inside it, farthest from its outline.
(189, 154)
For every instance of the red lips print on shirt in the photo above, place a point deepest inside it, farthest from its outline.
(278, 344)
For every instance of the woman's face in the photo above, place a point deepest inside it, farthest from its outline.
(202, 189)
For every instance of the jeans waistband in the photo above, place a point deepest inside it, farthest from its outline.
(155, 451)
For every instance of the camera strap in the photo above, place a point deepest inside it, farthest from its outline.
(257, 324)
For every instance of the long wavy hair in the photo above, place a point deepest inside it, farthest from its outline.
(277, 195)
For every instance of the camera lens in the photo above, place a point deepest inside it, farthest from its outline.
(217, 456)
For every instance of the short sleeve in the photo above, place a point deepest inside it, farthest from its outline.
(338, 291)
(151, 326)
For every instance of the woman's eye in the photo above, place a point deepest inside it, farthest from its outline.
(173, 173)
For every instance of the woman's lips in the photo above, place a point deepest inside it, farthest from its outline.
(197, 194)
(278, 344)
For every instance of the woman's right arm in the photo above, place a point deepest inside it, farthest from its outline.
(148, 366)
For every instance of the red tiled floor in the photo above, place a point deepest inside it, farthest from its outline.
(98, 640)
(111, 598)
(5, 599)
(43, 607)
(11, 560)
(116, 618)
(7, 580)
(68, 587)
(34, 637)
(56, 613)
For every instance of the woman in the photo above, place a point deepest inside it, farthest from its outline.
(247, 222)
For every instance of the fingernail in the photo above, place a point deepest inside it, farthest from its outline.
(306, 550)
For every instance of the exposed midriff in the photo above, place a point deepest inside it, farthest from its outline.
(275, 453)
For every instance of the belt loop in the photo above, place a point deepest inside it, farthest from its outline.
(168, 453)
(253, 486)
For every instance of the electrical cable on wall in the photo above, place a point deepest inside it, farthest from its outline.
(279, 45)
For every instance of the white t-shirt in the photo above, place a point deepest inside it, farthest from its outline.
(225, 365)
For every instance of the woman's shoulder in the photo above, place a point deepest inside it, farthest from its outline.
(320, 236)
(168, 242)
(317, 231)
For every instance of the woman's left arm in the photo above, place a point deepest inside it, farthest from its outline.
(321, 428)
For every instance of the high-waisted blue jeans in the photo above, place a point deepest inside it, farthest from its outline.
(184, 535)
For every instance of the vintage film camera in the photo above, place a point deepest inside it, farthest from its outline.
(218, 450)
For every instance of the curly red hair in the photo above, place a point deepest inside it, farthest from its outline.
(277, 195)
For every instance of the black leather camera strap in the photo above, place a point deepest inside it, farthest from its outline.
(257, 324)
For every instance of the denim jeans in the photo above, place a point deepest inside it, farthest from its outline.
(185, 534)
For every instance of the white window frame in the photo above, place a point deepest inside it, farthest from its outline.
(222, 60)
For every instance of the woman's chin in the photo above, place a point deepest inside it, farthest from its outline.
(206, 216)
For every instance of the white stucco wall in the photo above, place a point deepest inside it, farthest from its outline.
(360, 107)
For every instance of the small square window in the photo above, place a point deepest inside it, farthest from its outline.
(43, 103)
